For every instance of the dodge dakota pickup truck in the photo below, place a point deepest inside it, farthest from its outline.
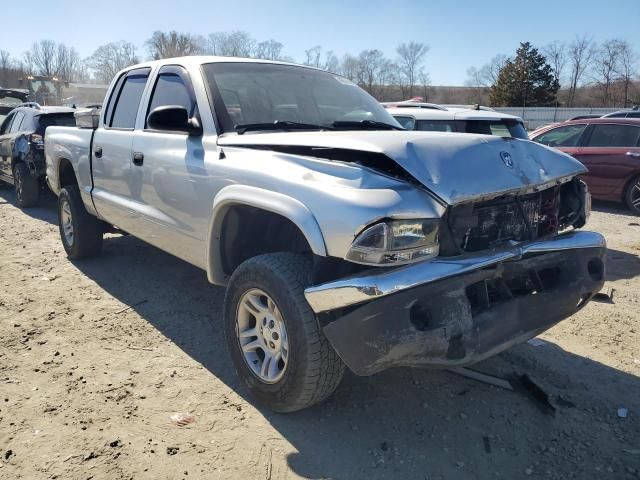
(342, 239)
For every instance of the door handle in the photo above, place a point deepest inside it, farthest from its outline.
(138, 158)
(98, 152)
(633, 154)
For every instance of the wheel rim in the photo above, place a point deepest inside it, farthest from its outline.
(17, 176)
(66, 222)
(262, 336)
(635, 196)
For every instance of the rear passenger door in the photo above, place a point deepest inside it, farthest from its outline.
(113, 185)
(174, 199)
(5, 150)
(611, 152)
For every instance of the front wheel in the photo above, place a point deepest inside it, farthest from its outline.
(27, 187)
(632, 195)
(81, 233)
(273, 336)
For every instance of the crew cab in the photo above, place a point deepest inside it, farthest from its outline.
(341, 238)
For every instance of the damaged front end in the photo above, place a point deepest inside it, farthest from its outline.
(509, 268)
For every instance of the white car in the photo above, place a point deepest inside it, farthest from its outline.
(440, 118)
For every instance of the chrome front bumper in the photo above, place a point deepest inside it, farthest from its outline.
(366, 287)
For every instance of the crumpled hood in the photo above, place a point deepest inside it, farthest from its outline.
(457, 167)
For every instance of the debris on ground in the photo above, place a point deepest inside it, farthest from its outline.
(182, 419)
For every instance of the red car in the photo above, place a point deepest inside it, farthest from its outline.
(609, 148)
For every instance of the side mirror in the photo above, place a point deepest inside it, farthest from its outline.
(173, 118)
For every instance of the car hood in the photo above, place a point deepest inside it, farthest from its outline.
(456, 167)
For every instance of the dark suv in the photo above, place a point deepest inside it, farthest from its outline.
(22, 147)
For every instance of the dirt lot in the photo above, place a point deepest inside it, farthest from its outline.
(88, 386)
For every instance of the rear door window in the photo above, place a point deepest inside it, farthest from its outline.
(609, 135)
(126, 107)
(407, 122)
(567, 136)
(17, 122)
(435, 125)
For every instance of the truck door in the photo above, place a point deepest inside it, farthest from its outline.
(113, 185)
(176, 195)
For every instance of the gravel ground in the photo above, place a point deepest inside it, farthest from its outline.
(96, 356)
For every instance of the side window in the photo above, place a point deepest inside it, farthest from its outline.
(17, 122)
(435, 126)
(128, 101)
(108, 111)
(407, 122)
(618, 115)
(607, 135)
(171, 90)
(567, 136)
(634, 114)
(6, 125)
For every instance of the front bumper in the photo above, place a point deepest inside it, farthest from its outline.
(455, 312)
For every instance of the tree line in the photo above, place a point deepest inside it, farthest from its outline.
(370, 68)
(578, 73)
(581, 72)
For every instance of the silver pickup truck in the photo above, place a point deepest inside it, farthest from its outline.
(341, 238)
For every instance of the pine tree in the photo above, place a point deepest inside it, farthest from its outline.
(525, 81)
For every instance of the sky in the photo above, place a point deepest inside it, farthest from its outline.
(459, 34)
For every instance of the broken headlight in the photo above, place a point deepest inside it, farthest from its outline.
(396, 242)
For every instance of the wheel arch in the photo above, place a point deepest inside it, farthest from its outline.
(291, 211)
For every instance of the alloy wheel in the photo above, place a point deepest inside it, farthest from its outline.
(262, 336)
(66, 222)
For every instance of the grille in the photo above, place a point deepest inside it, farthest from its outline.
(484, 225)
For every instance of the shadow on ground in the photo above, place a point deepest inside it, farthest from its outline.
(45, 210)
(403, 423)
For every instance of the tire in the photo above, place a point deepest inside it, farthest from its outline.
(312, 370)
(632, 195)
(27, 188)
(80, 232)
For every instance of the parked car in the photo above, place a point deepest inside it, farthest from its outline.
(626, 113)
(438, 118)
(22, 148)
(341, 238)
(609, 148)
(10, 98)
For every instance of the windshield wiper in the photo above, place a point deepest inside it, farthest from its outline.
(279, 125)
(365, 125)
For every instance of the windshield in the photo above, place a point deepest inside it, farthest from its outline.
(56, 120)
(261, 93)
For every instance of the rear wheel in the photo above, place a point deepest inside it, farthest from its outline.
(632, 195)
(273, 336)
(81, 233)
(27, 187)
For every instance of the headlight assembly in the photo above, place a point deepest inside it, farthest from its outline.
(396, 242)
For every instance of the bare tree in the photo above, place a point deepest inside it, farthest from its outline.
(42, 57)
(369, 63)
(67, 62)
(410, 58)
(606, 65)
(350, 67)
(331, 62)
(556, 53)
(313, 56)
(109, 59)
(240, 44)
(172, 44)
(476, 80)
(269, 50)
(626, 67)
(581, 52)
(5, 66)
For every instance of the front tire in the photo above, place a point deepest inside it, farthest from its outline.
(81, 233)
(273, 336)
(27, 187)
(632, 195)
